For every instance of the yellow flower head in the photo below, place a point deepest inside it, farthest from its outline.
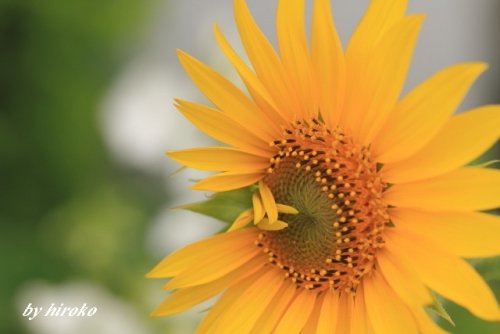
(360, 206)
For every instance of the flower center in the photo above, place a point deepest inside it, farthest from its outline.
(337, 190)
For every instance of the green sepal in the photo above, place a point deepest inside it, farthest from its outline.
(224, 206)
(437, 308)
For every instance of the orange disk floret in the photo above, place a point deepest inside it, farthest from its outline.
(337, 190)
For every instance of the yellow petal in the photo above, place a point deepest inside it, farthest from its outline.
(264, 59)
(360, 324)
(444, 273)
(266, 225)
(192, 254)
(258, 207)
(219, 159)
(224, 304)
(295, 54)
(423, 111)
(426, 325)
(259, 93)
(345, 308)
(214, 265)
(386, 311)
(380, 16)
(251, 304)
(268, 201)
(465, 189)
(222, 128)
(463, 138)
(297, 313)
(386, 74)
(242, 220)
(328, 61)
(403, 280)
(183, 299)
(274, 311)
(227, 181)
(467, 234)
(312, 322)
(228, 98)
(328, 317)
(290, 210)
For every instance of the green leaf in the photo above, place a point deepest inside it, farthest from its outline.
(224, 206)
(437, 308)
(489, 268)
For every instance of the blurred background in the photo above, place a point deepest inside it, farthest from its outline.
(85, 115)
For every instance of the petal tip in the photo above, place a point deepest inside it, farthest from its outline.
(155, 313)
(180, 53)
(201, 185)
(152, 274)
(170, 153)
(478, 67)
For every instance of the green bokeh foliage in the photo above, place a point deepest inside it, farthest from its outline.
(67, 211)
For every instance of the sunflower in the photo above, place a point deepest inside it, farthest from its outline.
(361, 207)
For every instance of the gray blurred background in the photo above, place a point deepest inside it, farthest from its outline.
(85, 115)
